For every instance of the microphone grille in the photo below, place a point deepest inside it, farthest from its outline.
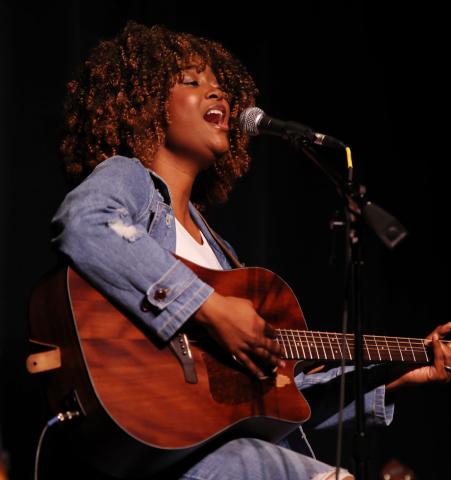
(249, 120)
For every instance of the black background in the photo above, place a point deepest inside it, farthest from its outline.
(368, 73)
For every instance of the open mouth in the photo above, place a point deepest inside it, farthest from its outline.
(216, 117)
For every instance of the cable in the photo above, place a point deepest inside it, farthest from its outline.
(38, 451)
(61, 417)
(304, 436)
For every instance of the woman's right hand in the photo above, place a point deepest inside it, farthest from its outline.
(235, 325)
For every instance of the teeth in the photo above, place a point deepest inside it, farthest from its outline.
(215, 110)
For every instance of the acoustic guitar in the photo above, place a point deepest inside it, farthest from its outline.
(146, 404)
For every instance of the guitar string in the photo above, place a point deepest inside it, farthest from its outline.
(405, 346)
(309, 337)
(367, 338)
(392, 348)
(310, 332)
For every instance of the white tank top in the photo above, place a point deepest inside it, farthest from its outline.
(187, 247)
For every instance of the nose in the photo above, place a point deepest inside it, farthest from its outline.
(215, 92)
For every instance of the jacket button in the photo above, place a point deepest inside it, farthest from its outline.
(160, 293)
(145, 305)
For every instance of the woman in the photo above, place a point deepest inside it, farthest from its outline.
(152, 138)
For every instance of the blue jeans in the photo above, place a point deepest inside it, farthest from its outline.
(253, 459)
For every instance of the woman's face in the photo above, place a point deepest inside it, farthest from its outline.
(192, 132)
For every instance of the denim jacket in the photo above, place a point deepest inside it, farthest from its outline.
(118, 228)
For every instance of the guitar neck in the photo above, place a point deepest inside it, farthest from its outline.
(307, 344)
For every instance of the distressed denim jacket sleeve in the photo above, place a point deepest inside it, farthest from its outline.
(322, 389)
(101, 228)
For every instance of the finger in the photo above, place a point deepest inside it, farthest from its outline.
(270, 331)
(439, 356)
(262, 340)
(446, 347)
(429, 337)
(250, 365)
(274, 348)
(269, 357)
(446, 354)
(444, 329)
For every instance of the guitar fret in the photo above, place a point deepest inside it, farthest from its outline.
(384, 352)
(284, 347)
(377, 347)
(305, 344)
(339, 346)
(324, 350)
(308, 345)
(289, 345)
(288, 342)
(287, 337)
(407, 351)
(388, 348)
(314, 344)
(400, 351)
(365, 343)
(334, 346)
(411, 348)
(306, 334)
(302, 346)
(295, 343)
(349, 351)
(333, 355)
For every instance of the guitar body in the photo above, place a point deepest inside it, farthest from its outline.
(142, 411)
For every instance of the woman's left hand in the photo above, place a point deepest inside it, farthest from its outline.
(436, 373)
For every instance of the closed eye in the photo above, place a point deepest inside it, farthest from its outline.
(195, 82)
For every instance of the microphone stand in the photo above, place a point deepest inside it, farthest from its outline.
(391, 232)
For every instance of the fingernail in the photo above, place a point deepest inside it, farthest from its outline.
(263, 377)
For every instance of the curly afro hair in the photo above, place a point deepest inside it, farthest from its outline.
(118, 104)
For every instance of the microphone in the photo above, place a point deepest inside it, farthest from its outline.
(254, 121)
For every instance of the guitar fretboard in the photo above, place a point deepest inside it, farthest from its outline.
(307, 344)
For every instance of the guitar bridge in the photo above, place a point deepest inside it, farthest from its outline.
(181, 349)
